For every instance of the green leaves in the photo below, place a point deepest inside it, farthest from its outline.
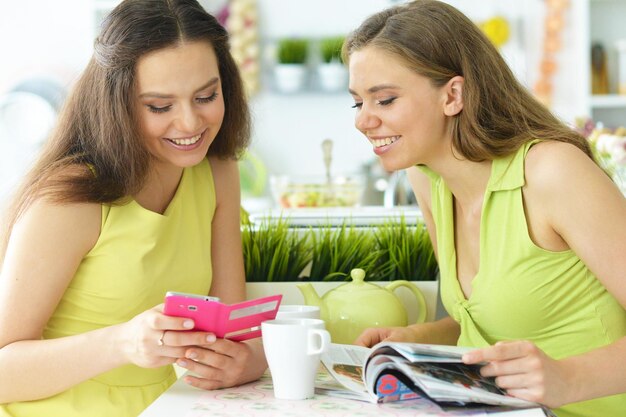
(330, 49)
(337, 250)
(292, 51)
(273, 252)
(405, 252)
(394, 250)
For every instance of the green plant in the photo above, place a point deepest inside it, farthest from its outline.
(337, 250)
(273, 252)
(405, 252)
(330, 49)
(292, 51)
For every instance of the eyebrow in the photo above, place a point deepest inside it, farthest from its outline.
(212, 82)
(377, 88)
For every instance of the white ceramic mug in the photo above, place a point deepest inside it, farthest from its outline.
(293, 348)
(295, 311)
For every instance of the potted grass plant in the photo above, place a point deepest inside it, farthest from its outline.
(290, 69)
(338, 250)
(277, 257)
(403, 252)
(272, 253)
(331, 72)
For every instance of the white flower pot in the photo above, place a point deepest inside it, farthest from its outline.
(289, 78)
(332, 77)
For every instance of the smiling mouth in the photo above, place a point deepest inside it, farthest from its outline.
(379, 143)
(185, 141)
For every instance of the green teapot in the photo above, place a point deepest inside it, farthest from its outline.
(352, 307)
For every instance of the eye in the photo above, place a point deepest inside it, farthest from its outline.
(357, 105)
(155, 109)
(387, 101)
(207, 99)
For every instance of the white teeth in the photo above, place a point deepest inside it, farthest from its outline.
(186, 141)
(382, 142)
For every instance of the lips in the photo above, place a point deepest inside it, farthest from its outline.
(380, 142)
(185, 141)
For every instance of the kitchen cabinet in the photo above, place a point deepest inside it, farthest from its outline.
(606, 26)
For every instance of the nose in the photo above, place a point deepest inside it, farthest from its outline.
(366, 120)
(189, 119)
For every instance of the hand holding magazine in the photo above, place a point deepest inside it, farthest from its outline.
(393, 371)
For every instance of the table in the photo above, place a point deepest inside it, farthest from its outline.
(256, 399)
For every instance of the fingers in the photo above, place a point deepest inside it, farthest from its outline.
(217, 365)
(506, 367)
(221, 348)
(163, 322)
(186, 338)
(501, 351)
(203, 383)
(370, 337)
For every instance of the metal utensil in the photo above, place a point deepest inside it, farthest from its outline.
(327, 149)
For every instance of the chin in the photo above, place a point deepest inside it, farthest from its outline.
(391, 166)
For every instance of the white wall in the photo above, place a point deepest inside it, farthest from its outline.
(39, 38)
(55, 37)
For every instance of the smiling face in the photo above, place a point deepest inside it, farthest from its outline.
(398, 110)
(180, 103)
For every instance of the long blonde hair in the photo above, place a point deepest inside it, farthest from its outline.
(438, 42)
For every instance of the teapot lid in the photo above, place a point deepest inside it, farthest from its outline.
(358, 282)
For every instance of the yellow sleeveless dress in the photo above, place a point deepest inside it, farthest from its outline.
(522, 291)
(139, 256)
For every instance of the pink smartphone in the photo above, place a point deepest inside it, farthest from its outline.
(239, 321)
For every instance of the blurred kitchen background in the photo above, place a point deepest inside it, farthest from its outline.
(304, 134)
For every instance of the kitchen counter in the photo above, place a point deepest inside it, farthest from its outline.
(256, 399)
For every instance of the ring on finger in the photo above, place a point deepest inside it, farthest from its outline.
(160, 342)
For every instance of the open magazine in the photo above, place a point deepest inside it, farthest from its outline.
(393, 371)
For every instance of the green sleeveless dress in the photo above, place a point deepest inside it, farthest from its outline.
(139, 256)
(522, 291)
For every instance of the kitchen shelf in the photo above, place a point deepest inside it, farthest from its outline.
(608, 101)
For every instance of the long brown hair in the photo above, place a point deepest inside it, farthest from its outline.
(437, 41)
(97, 129)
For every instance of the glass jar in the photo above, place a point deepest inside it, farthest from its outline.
(621, 66)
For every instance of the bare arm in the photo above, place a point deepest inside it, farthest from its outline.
(589, 213)
(441, 332)
(445, 331)
(224, 363)
(572, 203)
(226, 250)
(44, 251)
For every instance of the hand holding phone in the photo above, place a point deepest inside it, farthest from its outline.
(237, 322)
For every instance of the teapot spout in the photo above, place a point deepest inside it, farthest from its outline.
(311, 298)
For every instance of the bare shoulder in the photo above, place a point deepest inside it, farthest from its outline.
(45, 247)
(555, 167)
(75, 222)
(223, 169)
(225, 177)
(566, 191)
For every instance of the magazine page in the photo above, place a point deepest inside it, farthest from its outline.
(345, 364)
(437, 370)
(458, 383)
(420, 352)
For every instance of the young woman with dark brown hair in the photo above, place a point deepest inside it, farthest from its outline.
(135, 194)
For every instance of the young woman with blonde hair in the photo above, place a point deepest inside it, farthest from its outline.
(529, 232)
